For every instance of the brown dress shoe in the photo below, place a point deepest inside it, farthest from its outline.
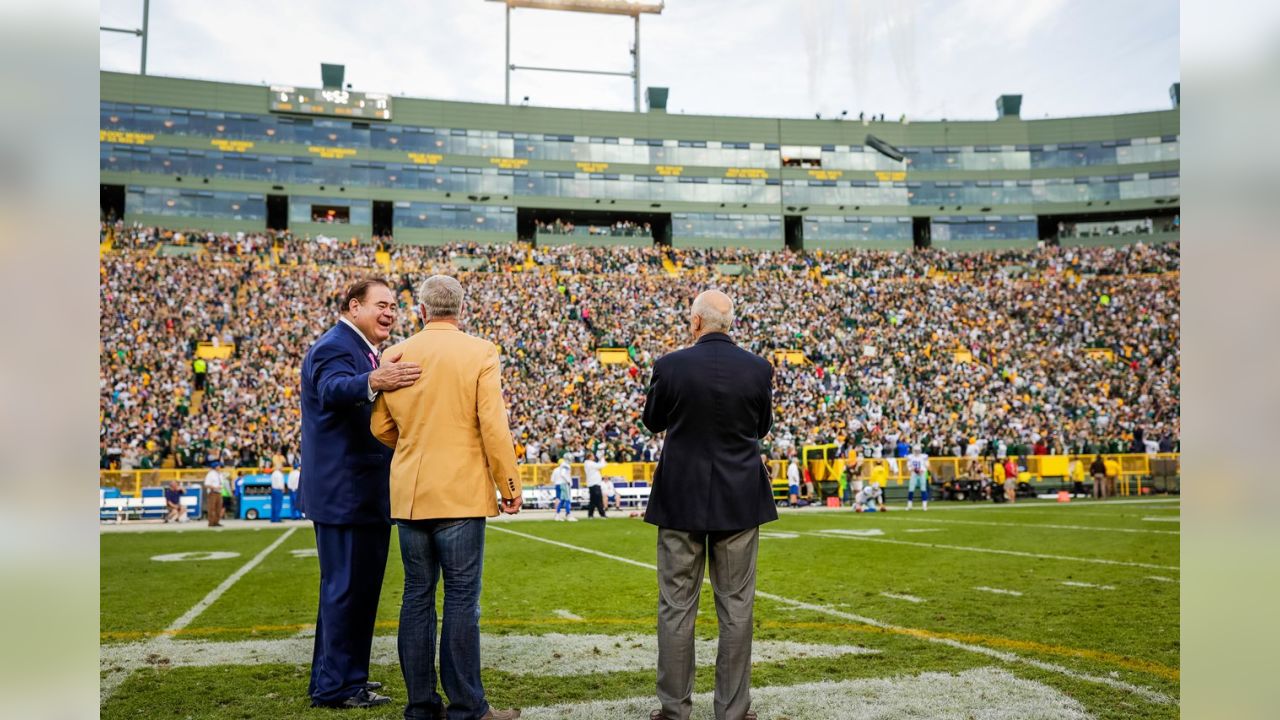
(501, 714)
(657, 715)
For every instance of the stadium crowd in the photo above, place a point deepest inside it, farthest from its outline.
(881, 329)
(621, 228)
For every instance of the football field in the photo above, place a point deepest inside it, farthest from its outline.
(1035, 610)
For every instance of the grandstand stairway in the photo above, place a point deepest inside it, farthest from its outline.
(672, 269)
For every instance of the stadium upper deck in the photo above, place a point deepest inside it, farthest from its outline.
(223, 157)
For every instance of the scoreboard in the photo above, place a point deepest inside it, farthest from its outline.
(333, 101)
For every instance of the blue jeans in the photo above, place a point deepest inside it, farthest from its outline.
(453, 548)
(277, 501)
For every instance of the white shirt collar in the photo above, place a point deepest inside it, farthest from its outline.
(352, 325)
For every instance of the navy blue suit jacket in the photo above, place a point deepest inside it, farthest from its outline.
(715, 402)
(345, 470)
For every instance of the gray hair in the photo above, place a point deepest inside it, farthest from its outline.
(716, 310)
(441, 296)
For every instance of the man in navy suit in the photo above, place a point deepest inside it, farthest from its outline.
(347, 493)
(710, 496)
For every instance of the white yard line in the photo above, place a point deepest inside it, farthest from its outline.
(869, 532)
(1161, 519)
(979, 693)
(120, 672)
(566, 615)
(1072, 583)
(1158, 578)
(998, 591)
(1008, 657)
(995, 551)
(225, 585)
(898, 596)
(1032, 526)
(550, 655)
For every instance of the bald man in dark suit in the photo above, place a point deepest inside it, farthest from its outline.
(710, 496)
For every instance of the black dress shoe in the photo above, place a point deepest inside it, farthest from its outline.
(373, 685)
(362, 699)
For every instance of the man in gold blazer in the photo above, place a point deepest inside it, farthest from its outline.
(453, 458)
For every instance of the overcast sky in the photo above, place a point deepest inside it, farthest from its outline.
(929, 59)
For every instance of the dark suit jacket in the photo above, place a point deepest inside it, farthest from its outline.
(714, 400)
(345, 470)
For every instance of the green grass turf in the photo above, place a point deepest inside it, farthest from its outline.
(1129, 633)
(141, 595)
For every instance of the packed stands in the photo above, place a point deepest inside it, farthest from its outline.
(1074, 349)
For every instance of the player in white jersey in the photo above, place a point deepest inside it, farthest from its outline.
(868, 499)
(918, 467)
(562, 481)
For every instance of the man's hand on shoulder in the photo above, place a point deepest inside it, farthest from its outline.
(512, 506)
(393, 374)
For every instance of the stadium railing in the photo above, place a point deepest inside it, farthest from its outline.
(1138, 474)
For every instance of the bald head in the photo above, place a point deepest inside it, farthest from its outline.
(712, 311)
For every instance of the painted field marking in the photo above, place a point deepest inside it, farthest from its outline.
(550, 655)
(870, 532)
(113, 679)
(897, 596)
(1050, 526)
(197, 556)
(1072, 583)
(566, 615)
(1154, 518)
(225, 585)
(775, 535)
(997, 551)
(645, 626)
(305, 552)
(920, 530)
(998, 591)
(1159, 578)
(1146, 693)
(946, 696)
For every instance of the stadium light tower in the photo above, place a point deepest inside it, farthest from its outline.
(632, 8)
(140, 32)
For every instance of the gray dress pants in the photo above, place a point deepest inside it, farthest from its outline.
(681, 558)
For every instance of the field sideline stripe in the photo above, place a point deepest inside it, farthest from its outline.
(1123, 661)
(111, 681)
(926, 635)
(225, 585)
(994, 551)
(1032, 525)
